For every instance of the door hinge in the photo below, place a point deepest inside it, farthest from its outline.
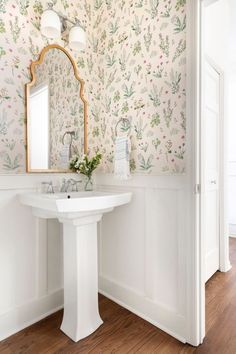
(197, 188)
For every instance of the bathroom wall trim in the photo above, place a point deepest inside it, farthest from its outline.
(144, 308)
(141, 181)
(133, 270)
(195, 292)
(29, 313)
(29, 180)
(43, 298)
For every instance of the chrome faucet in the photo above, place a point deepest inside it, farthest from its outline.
(74, 183)
(50, 189)
(64, 186)
(70, 183)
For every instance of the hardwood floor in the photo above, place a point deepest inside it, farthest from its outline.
(124, 332)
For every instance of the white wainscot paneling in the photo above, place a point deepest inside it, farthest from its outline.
(17, 269)
(30, 258)
(232, 198)
(141, 246)
(142, 251)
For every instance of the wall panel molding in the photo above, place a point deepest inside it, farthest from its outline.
(25, 315)
(142, 252)
(157, 314)
(30, 270)
(29, 181)
(154, 237)
(174, 182)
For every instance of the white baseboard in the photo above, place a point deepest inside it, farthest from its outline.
(227, 267)
(160, 316)
(232, 230)
(23, 316)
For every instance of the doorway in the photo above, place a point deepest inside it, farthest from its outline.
(211, 146)
(211, 70)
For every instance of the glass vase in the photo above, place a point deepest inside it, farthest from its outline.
(88, 184)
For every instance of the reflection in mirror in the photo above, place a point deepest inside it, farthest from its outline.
(56, 112)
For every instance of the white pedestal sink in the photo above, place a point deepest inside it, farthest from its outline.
(79, 213)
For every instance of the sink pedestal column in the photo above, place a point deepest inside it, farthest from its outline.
(81, 315)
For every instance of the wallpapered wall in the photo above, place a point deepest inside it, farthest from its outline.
(141, 76)
(134, 67)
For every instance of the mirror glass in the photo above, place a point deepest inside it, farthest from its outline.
(56, 112)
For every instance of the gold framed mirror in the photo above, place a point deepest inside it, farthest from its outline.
(56, 112)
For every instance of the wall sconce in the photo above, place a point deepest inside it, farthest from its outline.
(54, 23)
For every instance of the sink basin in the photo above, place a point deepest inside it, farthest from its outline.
(75, 202)
(79, 212)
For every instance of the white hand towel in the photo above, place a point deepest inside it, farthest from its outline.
(122, 154)
(64, 163)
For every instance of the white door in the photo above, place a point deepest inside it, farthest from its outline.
(210, 173)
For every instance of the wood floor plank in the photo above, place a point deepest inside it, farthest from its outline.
(150, 344)
(124, 332)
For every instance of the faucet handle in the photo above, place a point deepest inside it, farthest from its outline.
(49, 186)
(63, 187)
(63, 182)
(75, 180)
(74, 184)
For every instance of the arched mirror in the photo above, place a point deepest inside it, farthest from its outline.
(56, 112)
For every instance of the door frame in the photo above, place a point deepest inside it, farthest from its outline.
(224, 264)
(194, 164)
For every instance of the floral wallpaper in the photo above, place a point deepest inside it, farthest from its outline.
(65, 106)
(134, 68)
(141, 76)
(20, 43)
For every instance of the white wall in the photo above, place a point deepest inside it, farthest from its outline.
(220, 45)
(232, 154)
(30, 258)
(217, 28)
(143, 251)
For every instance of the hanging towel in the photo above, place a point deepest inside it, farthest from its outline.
(64, 163)
(122, 152)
